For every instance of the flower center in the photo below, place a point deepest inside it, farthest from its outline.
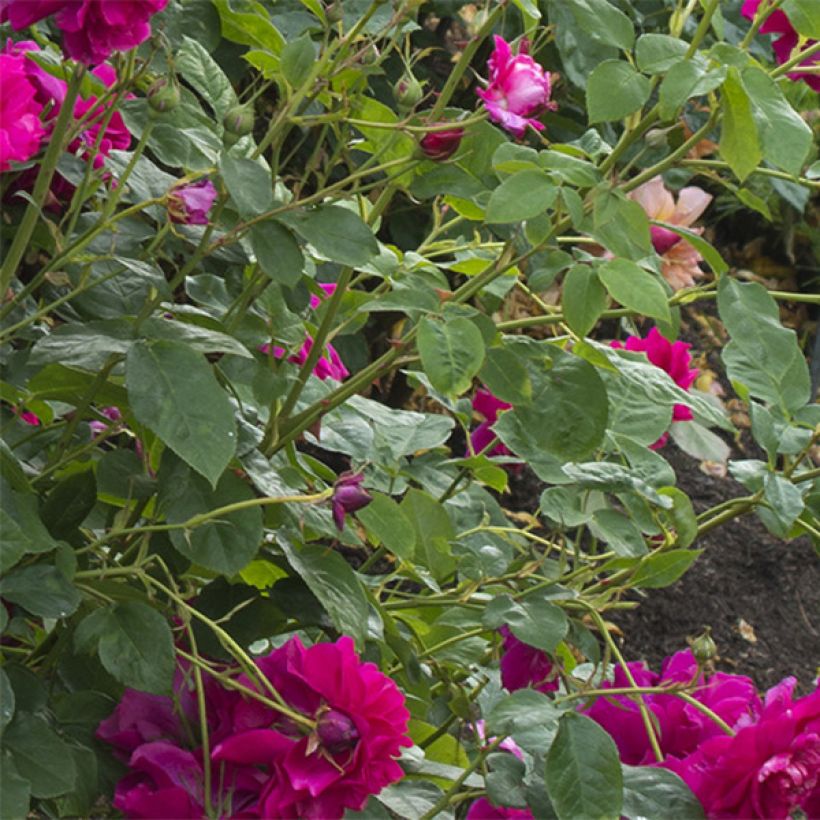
(336, 731)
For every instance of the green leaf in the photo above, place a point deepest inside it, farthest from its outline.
(528, 716)
(583, 774)
(762, 354)
(226, 544)
(619, 532)
(739, 144)
(174, 392)
(784, 499)
(134, 643)
(15, 791)
(657, 53)
(201, 339)
(384, 518)
(336, 233)
(451, 353)
(249, 185)
(68, 504)
(614, 478)
(331, 579)
(6, 702)
(635, 288)
(620, 225)
(685, 79)
(42, 590)
(697, 441)
(277, 252)
(203, 72)
(664, 568)
(614, 91)
(506, 376)
(583, 299)
(249, 28)
(40, 757)
(602, 21)
(524, 195)
(297, 60)
(21, 529)
(434, 531)
(85, 346)
(704, 248)
(682, 516)
(656, 792)
(534, 621)
(785, 137)
(804, 15)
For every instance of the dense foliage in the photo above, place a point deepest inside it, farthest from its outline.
(290, 291)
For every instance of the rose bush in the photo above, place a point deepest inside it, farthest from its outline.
(291, 294)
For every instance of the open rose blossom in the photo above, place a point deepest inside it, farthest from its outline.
(21, 130)
(680, 260)
(778, 23)
(483, 809)
(361, 725)
(768, 769)
(92, 29)
(329, 365)
(190, 204)
(674, 358)
(523, 665)
(518, 89)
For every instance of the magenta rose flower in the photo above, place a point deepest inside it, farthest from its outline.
(778, 23)
(518, 89)
(441, 145)
(483, 809)
(680, 727)
(361, 726)
(329, 365)
(21, 131)
(92, 29)
(488, 406)
(672, 357)
(523, 665)
(190, 204)
(769, 769)
(348, 496)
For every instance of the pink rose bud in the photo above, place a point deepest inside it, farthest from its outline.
(663, 239)
(518, 90)
(441, 145)
(190, 204)
(408, 92)
(337, 732)
(348, 496)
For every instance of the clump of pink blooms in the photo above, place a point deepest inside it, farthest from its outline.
(672, 357)
(778, 23)
(518, 89)
(190, 204)
(21, 130)
(680, 261)
(329, 365)
(523, 665)
(92, 29)
(767, 768)
(47, 94)
(488, 406)
(263, 763)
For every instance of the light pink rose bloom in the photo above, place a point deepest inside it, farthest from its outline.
(191, 204)
(518, 90)
(21, 130)
(92, 29)
(680, 260)
(784, 45)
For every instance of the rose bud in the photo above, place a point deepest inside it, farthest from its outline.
(407, 92)
(163, 95)
(441, 145)
(190, 204)
(238, 122)
(703, 647)
(336, 731)
(348, 497)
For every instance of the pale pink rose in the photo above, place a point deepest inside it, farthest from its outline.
(680, 260)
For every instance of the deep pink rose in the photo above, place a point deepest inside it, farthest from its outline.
(361, 727)
(672, 357)
(778, 23)
(441, 145)
(523, 665)
(190, 204)
(483, 809)
(518, 89)
(329, 365)
(680, 727)
(92, 29)
(97, 427)
(348, 496)
(21, 130)
(488, 406)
